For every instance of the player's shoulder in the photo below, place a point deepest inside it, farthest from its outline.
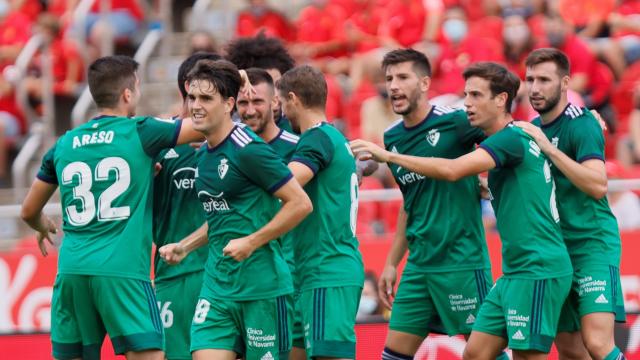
(447, 112)
(242, 137)
(288, 137)
(573, 112)
(393, 128)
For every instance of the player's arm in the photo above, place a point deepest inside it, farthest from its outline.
(39, 193)
(188, 134)
(301, 172)
(472, 163)
(365, 168)
(296, 205)
(589, 176)
(176, 252)
(389, 276)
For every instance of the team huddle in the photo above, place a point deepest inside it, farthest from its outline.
(257, 255)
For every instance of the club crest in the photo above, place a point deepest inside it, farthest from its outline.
(433, 136)
(555, 140)
(223, 168)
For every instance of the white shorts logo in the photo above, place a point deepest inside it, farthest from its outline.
(518, 335)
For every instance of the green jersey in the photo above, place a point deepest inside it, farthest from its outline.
(523, 197)
(444, 219)
(107, 212)
(589, 228)
(235, 181)
(176, 210)
(285, 145)
(283, 123)
(325, 246)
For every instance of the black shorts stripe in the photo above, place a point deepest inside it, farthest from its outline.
(153, 306)
(316, 317)
(479, 285)
(282, 324)
(323, 301)
(614, 283)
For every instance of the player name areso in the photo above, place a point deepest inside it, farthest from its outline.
(98, 137)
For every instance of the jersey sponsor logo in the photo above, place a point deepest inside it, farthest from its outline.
(171, 154)
(518, 335)
(471, 319)
(410, 178)
(433, 137)
(212, 203)
(223, 167)
(555, 140)
(602, 299)
(99, 137)
(185, 183)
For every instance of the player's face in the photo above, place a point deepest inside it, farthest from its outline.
(482, 107)
(544, 86)
(289, 109)
(405, 87)
(257, 111)
(206, 107)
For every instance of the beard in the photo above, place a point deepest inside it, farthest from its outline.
(549, 103)
(413, 104)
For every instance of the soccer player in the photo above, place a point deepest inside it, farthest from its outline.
(572, 139)
(523, 307)
(177, 213)
(242, 308)
(103, 283)
(329, 267)
(448, 271)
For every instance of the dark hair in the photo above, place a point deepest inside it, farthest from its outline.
(259, 76)
(307, 83)
(188, 64)
(500, 79)
(420, 62)
(222, 74)
(109, 76)
(261, 52)
(555, 56)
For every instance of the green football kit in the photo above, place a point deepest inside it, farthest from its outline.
(448, 273)
(107, 221)
(525, 303)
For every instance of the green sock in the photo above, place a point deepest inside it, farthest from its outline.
(615, 354)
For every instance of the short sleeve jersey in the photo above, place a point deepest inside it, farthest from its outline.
(176, 210)
(285, 145)
(523, 197)
(284, 124)
(105, 172)
(444, 219)
(325, 246)
(235, 182)
(589, 228)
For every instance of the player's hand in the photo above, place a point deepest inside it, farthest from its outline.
(365, 168)
(366, 150)
(386, 285)
(45, 234)
(485, 193)
(172, 254)
(538, 136)
(603, 124)
(247, 88)
(239, 249)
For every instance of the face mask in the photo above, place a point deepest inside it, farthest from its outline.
(555, 39)
(258, 10)
(4, 7)
(455, 29)
(368, 305)
(516, 34)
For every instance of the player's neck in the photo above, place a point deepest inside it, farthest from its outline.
(417, 115)
(500, 123)
(553, 114)
(310, 118)
(220, 133)
(270, 132)
(117, 112)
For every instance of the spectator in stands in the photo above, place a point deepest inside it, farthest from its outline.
(403, 24)
(66, 61)
(260, 17)
(203, 41)
(376, 113)
(319, 32)
(628, 151)
(624, 204)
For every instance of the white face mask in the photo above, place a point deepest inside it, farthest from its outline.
(455, 29)
(4, 7)
(368, 305)
(516, 34)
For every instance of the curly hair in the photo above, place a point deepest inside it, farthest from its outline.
(261, 52)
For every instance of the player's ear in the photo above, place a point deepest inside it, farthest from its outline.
(127, 95)
(229, 104)
(425, 83)
(501, 99)
(564, 83)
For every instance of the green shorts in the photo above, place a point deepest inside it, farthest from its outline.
(297, 331)
(595, 288)
(451, 300)
(177, 298)
(524, 311)
(86, 307)
(329, 318)
(257, 329)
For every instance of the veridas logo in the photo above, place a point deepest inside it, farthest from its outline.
(184, 178)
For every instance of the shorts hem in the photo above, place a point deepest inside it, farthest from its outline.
(337, 349)
(490, 332)
(412, 331)
(213, 347)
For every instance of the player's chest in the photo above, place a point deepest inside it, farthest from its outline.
(221, 173)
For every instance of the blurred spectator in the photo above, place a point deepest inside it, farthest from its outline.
(376, 112)
(319, 31)
(362, 27)
(260, 17)
(628, 151)
(203, 41)
(67, 64)
(369, 309)
(30, 8)
(625, 204)
(403, 24)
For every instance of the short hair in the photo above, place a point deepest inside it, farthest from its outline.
(500, 79)
(109, 76)
(308, 83)
(188, 64)
(555, 56)
(261, 52)
(259, 76)
(222, 74)
(420, 62)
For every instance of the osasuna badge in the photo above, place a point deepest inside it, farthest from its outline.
(433, 136)
(555, 140)
(222, 168)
